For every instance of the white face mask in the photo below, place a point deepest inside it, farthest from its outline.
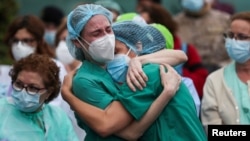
(62, 53)
(21, 50)
(102, 49)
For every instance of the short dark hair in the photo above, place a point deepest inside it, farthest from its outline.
(52, 14)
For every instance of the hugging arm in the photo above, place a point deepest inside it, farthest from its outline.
(136, 78)
(115, 118)
(170, 82)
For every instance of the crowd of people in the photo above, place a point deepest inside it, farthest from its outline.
(100, 73)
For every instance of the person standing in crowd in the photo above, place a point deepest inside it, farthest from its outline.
(61, 50)
(112, 6)
(52, 17)
(24, 37)
(26, 114)
(203, 26)
(226, 97)
(70, 63)
(105, 123)
(193, 68)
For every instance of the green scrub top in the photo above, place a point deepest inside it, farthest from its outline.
(95, 86)
(49, 124)
(177, 122)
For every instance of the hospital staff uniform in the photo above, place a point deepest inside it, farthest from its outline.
(49, 124)
(95, 86)
(177, 122)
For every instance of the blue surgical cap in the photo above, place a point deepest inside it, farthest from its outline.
(76, 21)
(131, 33)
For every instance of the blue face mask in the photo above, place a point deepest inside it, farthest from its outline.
(238, 50)
(192, 5)
(26, 102)
(49, 37)
(118, 67)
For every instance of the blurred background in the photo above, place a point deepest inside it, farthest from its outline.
(12, 8)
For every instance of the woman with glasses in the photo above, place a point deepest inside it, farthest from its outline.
(25, 36)
(26, 114)
(226, 97)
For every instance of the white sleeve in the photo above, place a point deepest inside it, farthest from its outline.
(189, 83)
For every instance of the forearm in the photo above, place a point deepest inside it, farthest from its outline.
(167, 56)
(137, 128)
(85, 111)
(103, 122)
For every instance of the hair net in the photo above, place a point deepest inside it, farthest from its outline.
(76, 21)
(130, 17)
(110, 4)
(135, 34)
(167, 35)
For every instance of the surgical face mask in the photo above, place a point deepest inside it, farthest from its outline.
(118, 67)
(49, 37)
(238, 50)
(102, 49)
(62, 53)
(21, 50)
(26, 102)
(192, 5)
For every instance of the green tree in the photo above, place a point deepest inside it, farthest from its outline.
(8, 10)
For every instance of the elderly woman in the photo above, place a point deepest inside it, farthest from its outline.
(226, 92)
(25, 36)
(26, 115)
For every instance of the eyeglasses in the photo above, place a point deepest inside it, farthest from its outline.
(25, 40)
(239, 36)
(18, 86)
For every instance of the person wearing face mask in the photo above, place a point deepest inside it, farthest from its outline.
(26, 114)
(136, 102)
(24, 37)
(226, 91)
(90, 35)
(61, 50)
(202, 26)
(52, 17)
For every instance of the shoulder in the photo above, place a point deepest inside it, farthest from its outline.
(150, 68)
(218, 74)
(178, 17)
(54, 111)
(219, 14)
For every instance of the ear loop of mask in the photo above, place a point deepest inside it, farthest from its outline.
(84, 48)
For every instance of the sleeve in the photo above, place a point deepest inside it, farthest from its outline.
(58, 101)
(92, 92)
(195, 70)
(190, 85)
(137, 103)
(65, 130)
(209, 105)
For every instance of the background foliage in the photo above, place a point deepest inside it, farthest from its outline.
(8, 10)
